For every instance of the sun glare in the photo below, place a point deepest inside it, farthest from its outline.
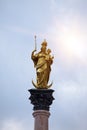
(71, 43)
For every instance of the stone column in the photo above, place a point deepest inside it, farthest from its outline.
(41, 119)
(41, 99)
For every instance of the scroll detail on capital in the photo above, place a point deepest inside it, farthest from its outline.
(41, 98)
(42, 63)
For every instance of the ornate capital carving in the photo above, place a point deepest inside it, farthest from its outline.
(41, 98)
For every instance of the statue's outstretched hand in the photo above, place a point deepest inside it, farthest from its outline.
(32, 54)
(34, 50)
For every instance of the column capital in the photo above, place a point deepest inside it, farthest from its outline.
(41, 98)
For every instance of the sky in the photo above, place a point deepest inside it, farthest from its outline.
(64, 26)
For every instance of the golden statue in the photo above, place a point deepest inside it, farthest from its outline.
(42, 62)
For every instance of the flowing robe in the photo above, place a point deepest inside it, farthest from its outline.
(42, 65)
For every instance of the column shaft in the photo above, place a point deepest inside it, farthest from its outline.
(41, 119)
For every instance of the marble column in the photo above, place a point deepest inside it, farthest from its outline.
(41, 119)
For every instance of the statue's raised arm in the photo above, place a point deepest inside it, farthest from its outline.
(42, 62)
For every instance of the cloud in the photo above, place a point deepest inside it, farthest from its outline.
(14, 124)
(65, 31)
(68, 39)
(18, 29)
(24, 31)
(71, 106)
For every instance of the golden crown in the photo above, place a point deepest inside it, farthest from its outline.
(44, 43)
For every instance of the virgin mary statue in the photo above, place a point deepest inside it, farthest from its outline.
(42, 62)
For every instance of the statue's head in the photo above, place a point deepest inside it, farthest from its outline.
(48, 51)
(43, 49)
(44, 43)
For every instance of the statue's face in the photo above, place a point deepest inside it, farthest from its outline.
(43, 49)
(49, 51)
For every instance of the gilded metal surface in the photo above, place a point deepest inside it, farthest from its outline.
(42, 62)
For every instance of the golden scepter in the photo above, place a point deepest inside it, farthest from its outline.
(35, 43)
(32, 58)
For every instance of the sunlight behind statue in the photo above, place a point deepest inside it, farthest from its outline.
(42, 62)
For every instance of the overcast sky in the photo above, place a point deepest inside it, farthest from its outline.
(63, 23)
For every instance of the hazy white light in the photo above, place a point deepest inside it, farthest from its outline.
(69, 41)
(72, 43)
